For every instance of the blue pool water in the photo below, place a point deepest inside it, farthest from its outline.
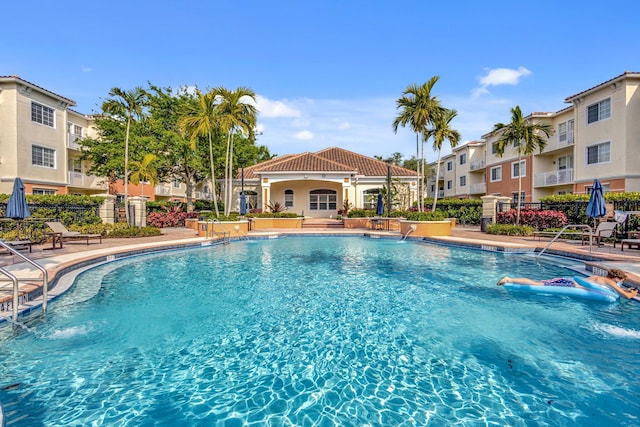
(321, 331)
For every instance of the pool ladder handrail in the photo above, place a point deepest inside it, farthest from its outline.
(226, 234)
(16, 280)
(588, 227)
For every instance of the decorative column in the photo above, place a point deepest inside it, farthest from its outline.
(139, 207)
(106, 211)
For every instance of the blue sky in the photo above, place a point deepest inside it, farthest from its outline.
(328, 73)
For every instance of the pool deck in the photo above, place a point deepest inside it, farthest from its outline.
(59, 262)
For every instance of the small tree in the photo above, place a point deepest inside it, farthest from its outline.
(525, 138)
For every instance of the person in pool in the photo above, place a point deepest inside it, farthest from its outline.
(613, 280)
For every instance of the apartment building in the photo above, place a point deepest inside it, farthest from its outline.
(596, 136)
(39, 135)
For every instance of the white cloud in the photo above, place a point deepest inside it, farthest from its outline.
(304, 135)
(344, 125)
(86, 69)
(272, 109)
(498, 77)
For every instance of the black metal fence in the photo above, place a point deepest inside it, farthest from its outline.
(34, 226)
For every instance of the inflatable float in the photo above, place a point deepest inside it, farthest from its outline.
(590, 291)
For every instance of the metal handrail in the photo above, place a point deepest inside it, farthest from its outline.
(45, 278)
(14, 279)
(562, 231)
(211, 231)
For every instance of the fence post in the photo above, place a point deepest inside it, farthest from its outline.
(139, 206)
(489, 209)
(106, 211)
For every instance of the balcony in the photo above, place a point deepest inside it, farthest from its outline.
(565, 139)
(479, 188)
(162, 190)
(79, 179)
(71, 142)
(547, 179)
(476, 165)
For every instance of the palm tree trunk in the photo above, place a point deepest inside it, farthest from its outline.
(230, 183)
(422, 181)
(519, 190)
(419, 192)
(213, 178)
(126, 172)
(435, 193)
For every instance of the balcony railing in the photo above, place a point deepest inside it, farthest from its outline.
(479, 188)
(162, 190)
(78, 179)
(565, 139)
(477, 164)
(71, 141)
(560, 177)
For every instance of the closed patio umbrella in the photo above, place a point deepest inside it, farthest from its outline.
(243, 204)
(596, 207)
(17, 207)
(379, 206)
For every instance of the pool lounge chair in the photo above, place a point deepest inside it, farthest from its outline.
(18, 244)
(603, 231)
(57, 227)
(629, 243)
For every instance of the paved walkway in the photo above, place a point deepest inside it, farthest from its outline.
(59, 260)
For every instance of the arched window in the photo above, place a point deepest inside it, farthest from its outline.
(370, 198)
(322, 200)
(288, 198)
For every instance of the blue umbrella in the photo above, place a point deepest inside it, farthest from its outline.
(243, 204)
(17, 207)
(596, 207)
(379, 206)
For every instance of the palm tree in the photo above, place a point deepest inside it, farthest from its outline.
(200, 119)
(525, 138)
(236, 112)
(144, 171)
(125, 104)
(442, 130)
(417, 110)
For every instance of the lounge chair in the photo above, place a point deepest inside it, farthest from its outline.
(18, 244)
(603, 231)
(59, 228)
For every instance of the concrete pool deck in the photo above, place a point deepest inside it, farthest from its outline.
(61, 261)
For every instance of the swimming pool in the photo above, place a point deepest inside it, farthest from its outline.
(321, 331)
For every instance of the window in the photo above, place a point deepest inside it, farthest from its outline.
(449, 185)
(605, 189)
(518, 169)
(463, 158)
(75, 165)
(74, 129)
(43, 191)
(176, 183)
(565, 132)
(514, 197)
(450, 165)
(322, 200)
(252, 199)
(600, 153)
(370, 198)
(463, 180)
(288, 198)
(41, 156)
(496, 173)
(494, 148)
(599, 111)
(42, 114)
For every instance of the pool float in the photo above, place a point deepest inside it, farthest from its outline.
(590, 291)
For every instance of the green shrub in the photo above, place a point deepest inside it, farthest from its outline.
(121, 230)
(425, 216)
(273, 215)
(361, 213)
(510, 230)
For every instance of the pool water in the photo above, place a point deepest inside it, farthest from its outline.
(321, 331)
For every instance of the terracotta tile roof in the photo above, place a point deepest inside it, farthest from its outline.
(328, 160)
(307, 162)
(250, 171)
(55, 95)
(622, 76)
(367, 166)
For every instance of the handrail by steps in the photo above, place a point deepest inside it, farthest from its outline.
(588, 227)
(15, 280)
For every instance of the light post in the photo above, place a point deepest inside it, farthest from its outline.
(389, 189)
(242, 161)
